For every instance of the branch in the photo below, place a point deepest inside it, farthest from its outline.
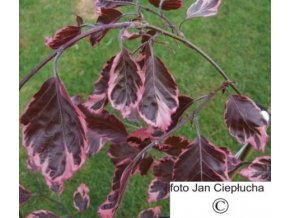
(36, 69)
(73, 41)
(143, 152)
(198, 50)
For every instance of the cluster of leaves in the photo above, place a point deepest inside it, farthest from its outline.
(60, 132)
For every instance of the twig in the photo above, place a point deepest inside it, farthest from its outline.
(143, 152)
(73, 41)
(198, 50)
(36, 69)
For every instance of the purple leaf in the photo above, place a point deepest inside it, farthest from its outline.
(201, 161)
(81, 198)
(144, 166)
(98, 99)
(159, 187)
(259, 170)
(174, 145)
(150, 213)
(102, 127)
(107, 16)
(42, 214)
(125, 84)
(121, 153)
(126, 158)
(232, 161)
(110, 3)
(203, 8)
(62, 36)
(160, 97)
(139, 136)
(54, 134)
(167, 4)
(24, 194)
(122, 156)
(185, 102)
(246, 122)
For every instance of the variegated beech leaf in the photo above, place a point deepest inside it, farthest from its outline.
(24, 194)
(125, 84)
(121, 155)
(62, 36)
(102, 127)
(150, 213)
(98, 99)
(232, 161)
(126, 158)
(160, 97)
(54, 134)
(107, 16)
(42, 214)
(203, 8)
(167, 4)
(81, 198)
(259, 170)
(160, 186)
(201, 161)
(173, 145)
(184, 103)
(110, 3)
(246, 122)
(144, 166)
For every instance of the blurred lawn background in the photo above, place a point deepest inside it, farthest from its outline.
(238, 38)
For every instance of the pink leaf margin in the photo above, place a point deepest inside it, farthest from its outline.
(83, 190)
(56, 184)
(251, 174)
(125, 110)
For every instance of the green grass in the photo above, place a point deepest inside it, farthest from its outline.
(238, 39)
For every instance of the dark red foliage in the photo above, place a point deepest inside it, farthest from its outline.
(102, 127)
(98, 99)
(106, 16)
(42, 214)
(150, 213)
(54, 134)
(259, 170)
(167, 4)
(60, 132)
(81, 198)
(62, 36)
(201, 161)
(100, 4)
(160, 97)
(232, 161)
(127, 160)
(159, 186)
(174, 145)
(125, 83)
(246, 122)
